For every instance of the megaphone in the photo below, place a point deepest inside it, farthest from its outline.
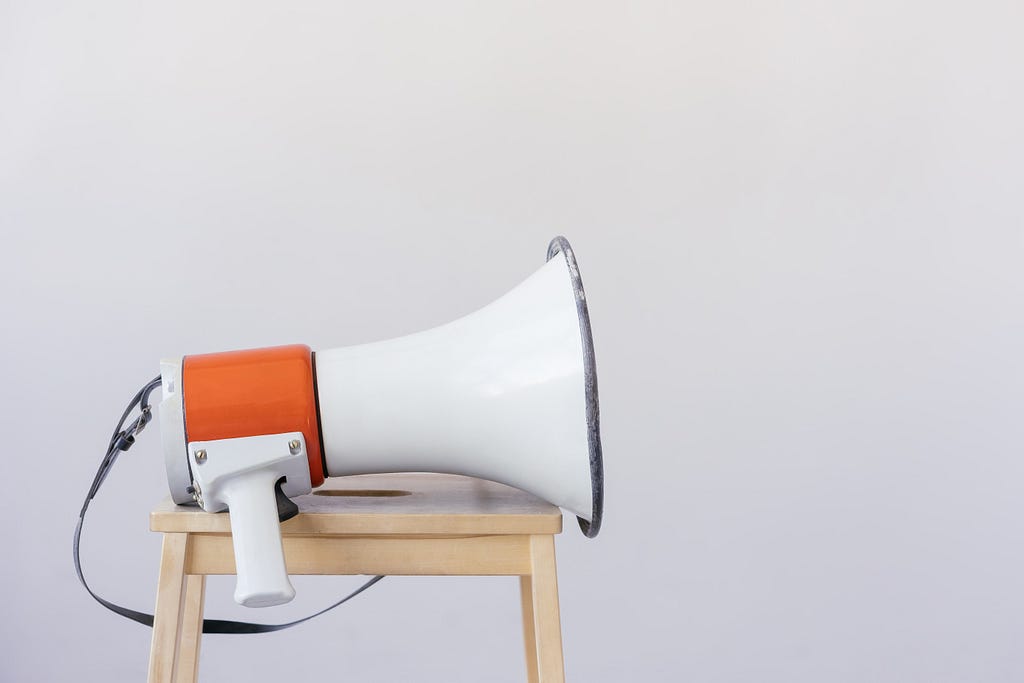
(508, 393)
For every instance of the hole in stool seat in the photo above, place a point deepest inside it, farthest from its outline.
(363, 493)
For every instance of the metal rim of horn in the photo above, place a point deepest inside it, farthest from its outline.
(560, 245)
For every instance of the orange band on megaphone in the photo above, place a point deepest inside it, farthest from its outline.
(251, 393)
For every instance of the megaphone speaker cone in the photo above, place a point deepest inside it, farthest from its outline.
(507, 393)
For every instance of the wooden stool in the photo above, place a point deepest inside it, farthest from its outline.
(401, 524)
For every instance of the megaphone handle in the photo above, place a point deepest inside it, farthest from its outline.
(256, 534)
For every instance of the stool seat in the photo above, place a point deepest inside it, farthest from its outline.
(419, 503)
(397, 524)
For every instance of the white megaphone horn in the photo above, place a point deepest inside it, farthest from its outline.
(508, 393)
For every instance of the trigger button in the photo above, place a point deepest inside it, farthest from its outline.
(286, 507)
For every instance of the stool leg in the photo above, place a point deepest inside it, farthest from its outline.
(529, 636)
(191, 629)
(170, 596)
(546, 653)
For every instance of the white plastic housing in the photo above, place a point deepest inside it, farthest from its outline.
(497, 394)
(172, 432)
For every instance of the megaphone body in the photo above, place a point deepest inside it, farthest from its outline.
(508, 393)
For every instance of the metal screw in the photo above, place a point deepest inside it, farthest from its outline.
(294, 446)
(200, 456)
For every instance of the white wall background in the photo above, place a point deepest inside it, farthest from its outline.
(801, 231)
